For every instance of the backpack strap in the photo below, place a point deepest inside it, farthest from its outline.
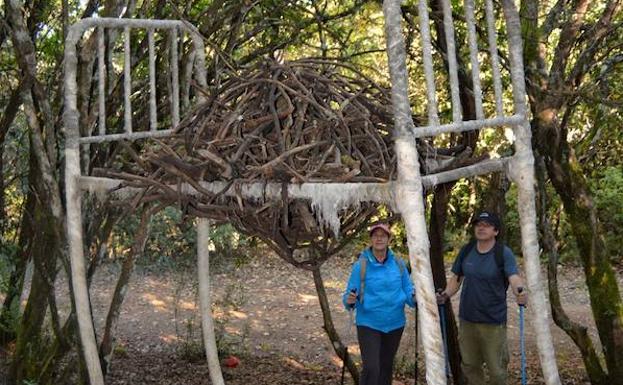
(363, 263)
(498, 252)
(499, 259)
(465, 250)
(402, 266)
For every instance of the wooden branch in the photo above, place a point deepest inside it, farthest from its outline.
(568, 37)
(596, 35)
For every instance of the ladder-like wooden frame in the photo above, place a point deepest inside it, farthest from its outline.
(75, 181)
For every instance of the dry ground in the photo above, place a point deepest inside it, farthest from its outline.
(269, 315)
(271, 318)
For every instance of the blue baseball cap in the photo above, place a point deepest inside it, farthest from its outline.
(489, 217)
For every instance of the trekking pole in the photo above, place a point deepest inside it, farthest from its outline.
(344, 358)
(522, 345)
(416, 347)
(351, 318)
(351, 310)
(442, 315)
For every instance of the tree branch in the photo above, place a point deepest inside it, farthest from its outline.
(552, 20)
(568, 37)
(597, 34)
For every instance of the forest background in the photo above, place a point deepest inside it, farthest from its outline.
(574, 75)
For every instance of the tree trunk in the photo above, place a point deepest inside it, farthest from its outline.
(6, 120)
(438, 219)
(495, 198)
(577, 332)
(140, 239)
(409, 197)
(570, 183)
(521, 171)
(340, 349)
(553, 94)
(29, 345)
(49, 219)
(438, 214)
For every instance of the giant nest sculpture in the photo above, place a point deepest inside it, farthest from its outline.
(309, 121)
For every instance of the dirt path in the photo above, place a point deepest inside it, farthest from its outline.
(271, 317)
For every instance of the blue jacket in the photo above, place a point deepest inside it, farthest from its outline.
(388, 288)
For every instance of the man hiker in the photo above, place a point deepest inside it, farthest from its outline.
(485, 267)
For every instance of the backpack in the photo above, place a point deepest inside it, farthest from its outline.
(498, 252)
(362, 273)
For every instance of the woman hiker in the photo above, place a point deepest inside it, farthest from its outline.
(378, 289)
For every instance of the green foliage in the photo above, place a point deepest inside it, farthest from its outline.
(120, 350)
(191, 346)
(7, 253)
(608, 190)
(231, 248)
(608, 197)
(460, 205)
(512, 229)
(10, 318)
(172, 243)
(231, 343)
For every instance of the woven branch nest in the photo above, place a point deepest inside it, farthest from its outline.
(295, 122)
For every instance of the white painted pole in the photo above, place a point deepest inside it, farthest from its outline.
(409, 195)
(207, 323)
(74, 215)
(522, 173)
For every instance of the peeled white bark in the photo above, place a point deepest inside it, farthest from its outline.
(409, 197)
(74, 216)
(78, 270)
(412, 209)
(207, 323)
(521, 171)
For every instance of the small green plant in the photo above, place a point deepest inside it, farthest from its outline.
(404, 367)
(265, 347)
(120, 351)
(233, 299)
(191, 348)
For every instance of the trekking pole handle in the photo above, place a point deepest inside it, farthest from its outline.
(441, 293)
(519, 291)
(353, 291)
